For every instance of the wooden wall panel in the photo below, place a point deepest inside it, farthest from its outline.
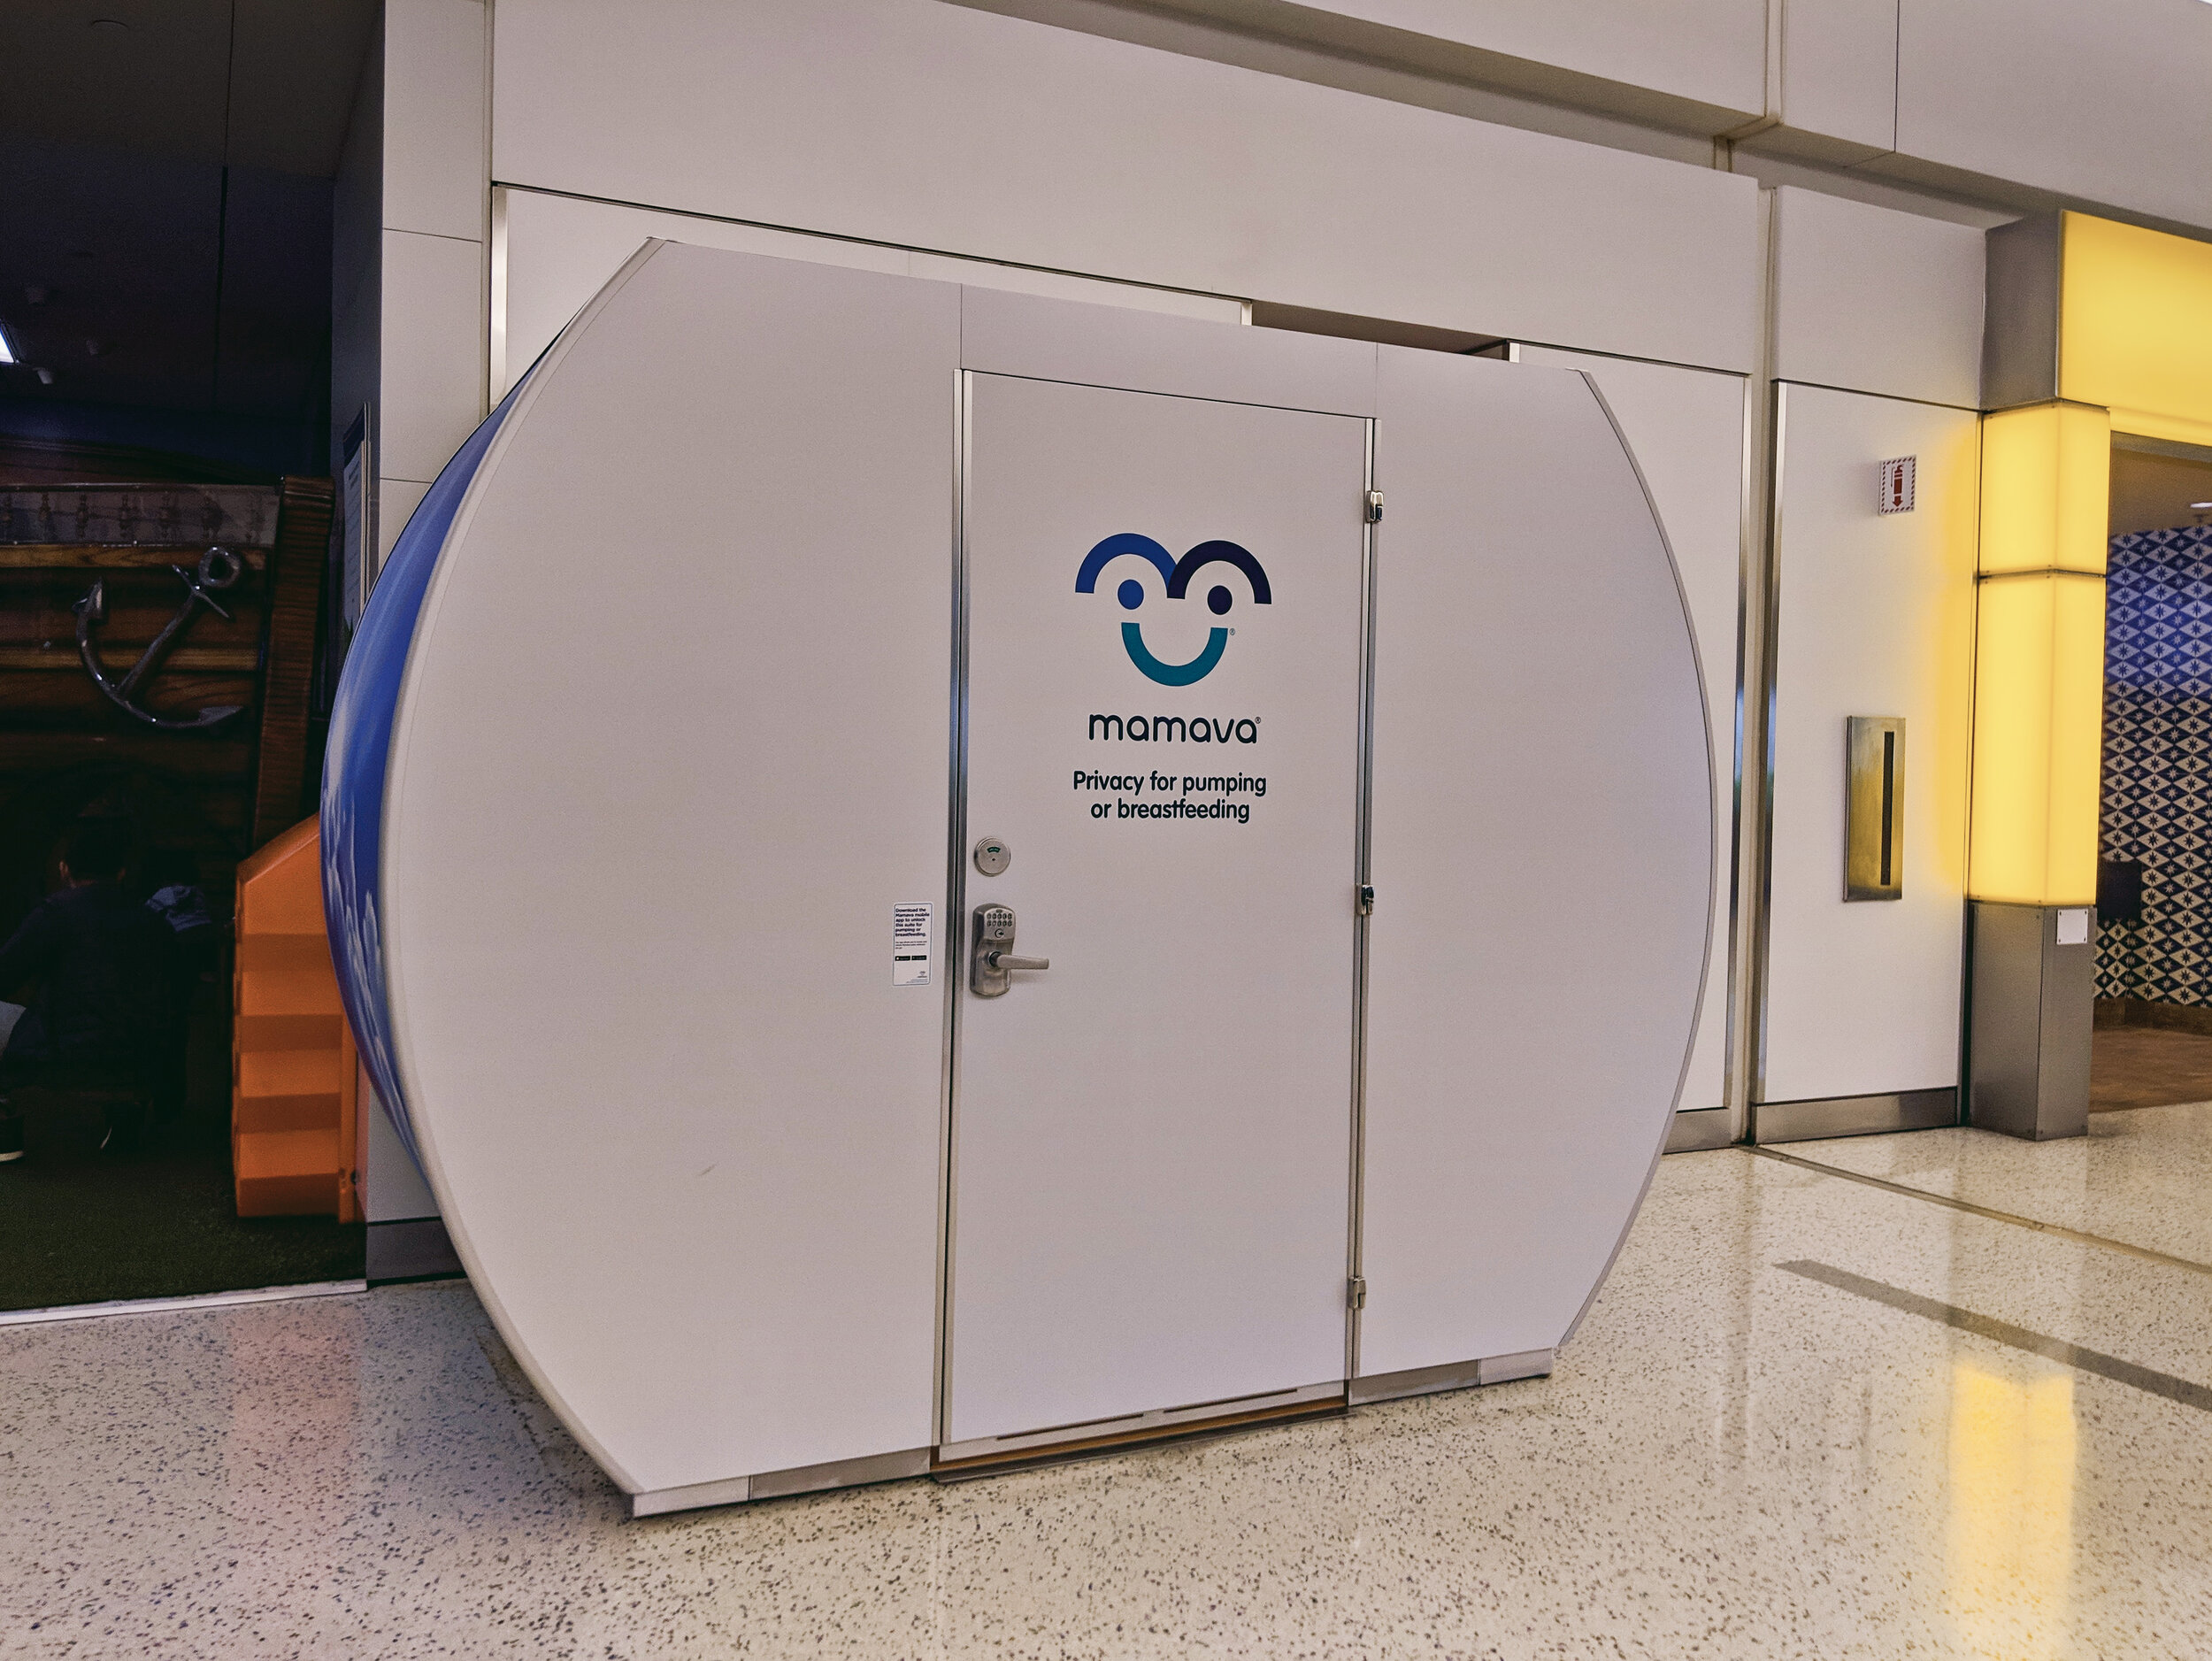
(294, 590)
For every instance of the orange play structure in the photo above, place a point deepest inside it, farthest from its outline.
(293, 1073)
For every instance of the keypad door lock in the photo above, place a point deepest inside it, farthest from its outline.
(991, 960)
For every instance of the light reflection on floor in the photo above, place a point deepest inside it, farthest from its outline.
(2011, 1534)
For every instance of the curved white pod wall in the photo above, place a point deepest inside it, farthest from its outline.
(712, 654)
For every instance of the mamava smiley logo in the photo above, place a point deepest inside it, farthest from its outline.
(1177, 575)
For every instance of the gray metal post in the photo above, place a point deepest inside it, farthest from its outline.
(2033, 1001)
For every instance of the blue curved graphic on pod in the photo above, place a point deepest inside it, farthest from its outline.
(1173, 674)
(1229, 553)
(1124, 542)
(359, 750)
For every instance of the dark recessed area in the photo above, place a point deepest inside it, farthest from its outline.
(1345, 325)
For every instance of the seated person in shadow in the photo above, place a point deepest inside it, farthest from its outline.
(98, 962)
(191, 969)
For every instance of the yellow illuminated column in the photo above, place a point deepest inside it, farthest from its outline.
(2135, 327)
(2038, 681)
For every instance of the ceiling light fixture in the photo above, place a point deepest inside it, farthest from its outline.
(2200, 507)
(7, 348)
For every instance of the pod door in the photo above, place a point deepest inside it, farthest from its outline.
(1152, 1136)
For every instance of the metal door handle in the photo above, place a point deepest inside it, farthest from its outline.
(991, 960)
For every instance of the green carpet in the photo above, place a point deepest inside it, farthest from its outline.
(79, 1228)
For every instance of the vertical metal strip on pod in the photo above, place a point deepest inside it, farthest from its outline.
(951, 937)
(1363, 877)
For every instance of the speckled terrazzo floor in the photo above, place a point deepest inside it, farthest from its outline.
(1734, 1459)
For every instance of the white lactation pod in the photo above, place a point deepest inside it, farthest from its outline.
(847, 829)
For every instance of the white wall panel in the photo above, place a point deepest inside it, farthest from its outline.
(434, 351)
(1876, 617)
(1711, 50)
(1840, 70)
(1060, 285)
(1008, 333)
(392, 1189)
(1873, 300)
(2107, 103)
(396, 500)
(938, 128)
(1685, 429)
(556, 253)
(435, 162)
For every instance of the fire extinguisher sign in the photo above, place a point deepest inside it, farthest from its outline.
(1897, 485)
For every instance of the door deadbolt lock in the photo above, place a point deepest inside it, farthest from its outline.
(991, 958)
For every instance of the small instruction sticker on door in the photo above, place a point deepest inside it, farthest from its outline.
(910, 932)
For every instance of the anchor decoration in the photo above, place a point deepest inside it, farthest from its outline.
(220, 569)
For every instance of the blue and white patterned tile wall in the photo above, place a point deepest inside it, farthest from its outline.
(2157, 804)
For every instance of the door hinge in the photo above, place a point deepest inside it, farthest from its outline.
(1363, 896)
(1374, 507)
(1355, 1292)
